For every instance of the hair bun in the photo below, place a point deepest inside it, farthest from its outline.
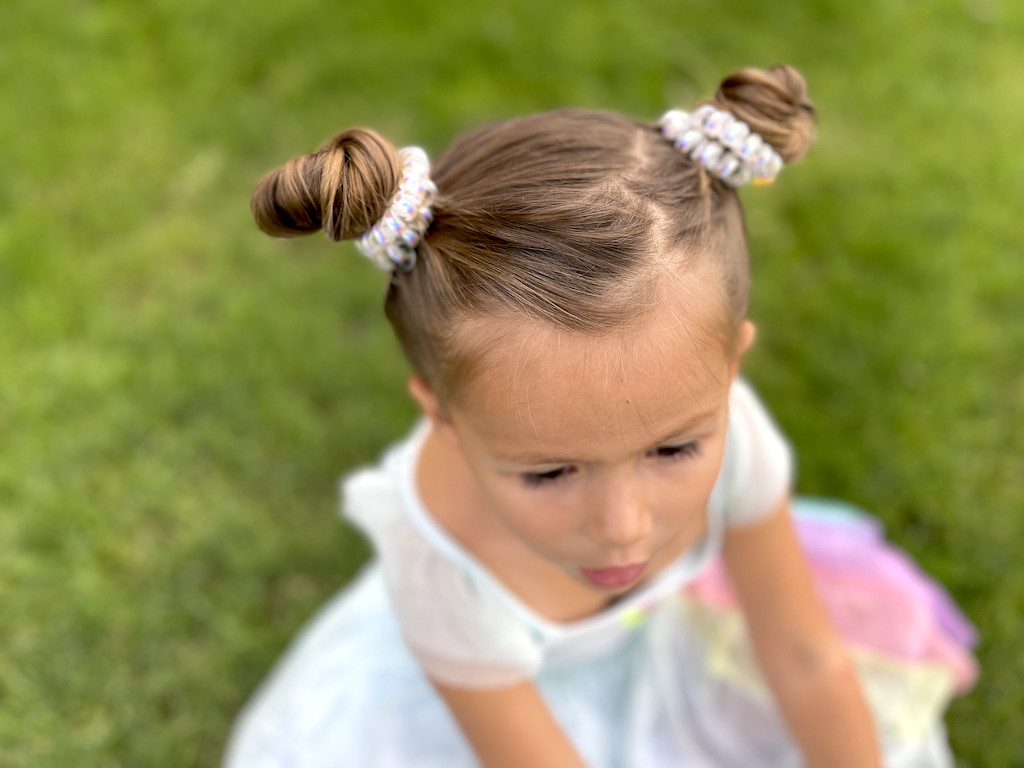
(774, 103)
(343, 187)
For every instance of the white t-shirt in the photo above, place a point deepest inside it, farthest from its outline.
(467, 629)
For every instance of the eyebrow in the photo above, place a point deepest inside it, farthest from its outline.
(544, 459)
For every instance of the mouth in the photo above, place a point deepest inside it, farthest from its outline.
(614, 578)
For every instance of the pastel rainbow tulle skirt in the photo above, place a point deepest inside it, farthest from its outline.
(910, 643)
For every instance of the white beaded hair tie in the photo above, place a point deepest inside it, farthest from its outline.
(392, 241)
(723, 144)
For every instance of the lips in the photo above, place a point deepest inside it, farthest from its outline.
(614, 578)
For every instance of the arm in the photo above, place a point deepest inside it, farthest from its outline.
(510, 727)
(799, 652)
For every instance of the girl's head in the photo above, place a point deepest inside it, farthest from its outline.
(571, 219)
(581, 291)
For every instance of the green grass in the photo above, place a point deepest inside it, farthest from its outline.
(179, 393)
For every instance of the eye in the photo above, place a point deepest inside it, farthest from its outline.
(683, 451)
(535, 479)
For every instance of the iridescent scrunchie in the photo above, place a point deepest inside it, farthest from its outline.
(392, 241)
(723, 144)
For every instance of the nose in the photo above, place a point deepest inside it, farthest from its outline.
(622, 516)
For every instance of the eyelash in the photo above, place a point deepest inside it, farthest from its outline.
(678, 451)
(537, 479)
(667, 452)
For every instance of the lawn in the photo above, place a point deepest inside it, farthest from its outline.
(179, 393)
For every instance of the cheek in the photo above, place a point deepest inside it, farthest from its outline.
(710, 467)
(687, 488)
(544, 518)
(713, 465)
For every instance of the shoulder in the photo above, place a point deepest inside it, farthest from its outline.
(750, 422)
(758, 467)
(451, 620)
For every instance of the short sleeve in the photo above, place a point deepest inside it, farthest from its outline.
(459, 632)
(758, 464)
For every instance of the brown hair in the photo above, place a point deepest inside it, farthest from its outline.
(566, 217)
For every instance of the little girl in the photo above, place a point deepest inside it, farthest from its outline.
(589, 537)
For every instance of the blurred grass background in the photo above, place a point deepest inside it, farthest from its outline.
(180, 393)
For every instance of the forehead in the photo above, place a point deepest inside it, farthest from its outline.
(548, 392)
